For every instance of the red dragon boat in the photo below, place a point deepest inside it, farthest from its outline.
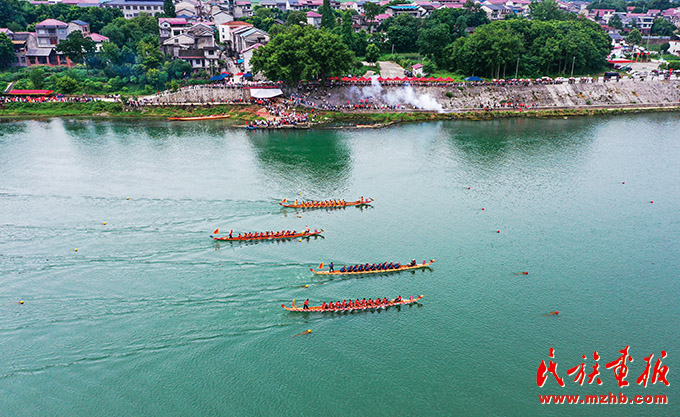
(313, 204)
(406, 267)
(267, 236)
(318, 309)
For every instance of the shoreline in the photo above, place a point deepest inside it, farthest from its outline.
(243, 113)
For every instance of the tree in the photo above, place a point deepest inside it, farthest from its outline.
(7, 56)
(347, 31)
(615, 22)
(634, 37)
(534, 47)
(298, 17)
(109, 53)
(663, 27)
(77, 48)
(327, 15)
(303, 53)
(66, 84)
(665, 47)
(402, 32)
(37, 77)
(372, 53)
(547, 10)
(433, 40)
(169, 8)
(149, 53)
(371, 10)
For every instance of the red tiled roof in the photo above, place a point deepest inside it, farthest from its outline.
(31, 92)
(51, 22)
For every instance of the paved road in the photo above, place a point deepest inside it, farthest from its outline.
(389, 69)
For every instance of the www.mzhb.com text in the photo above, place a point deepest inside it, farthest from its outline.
(610, 398)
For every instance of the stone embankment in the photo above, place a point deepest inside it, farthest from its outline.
(624, 93)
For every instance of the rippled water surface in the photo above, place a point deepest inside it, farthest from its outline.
(151, 317)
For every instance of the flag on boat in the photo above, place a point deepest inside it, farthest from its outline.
(321, 266)
(284, 200)
(216, 232)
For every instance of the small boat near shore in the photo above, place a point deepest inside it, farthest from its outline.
(267, 236)
(406, 267)
(195, 118)
(372, 306)
(325, 204)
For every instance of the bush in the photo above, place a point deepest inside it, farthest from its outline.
(66, 85)
(449, 94)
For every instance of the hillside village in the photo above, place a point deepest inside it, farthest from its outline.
(205, 34)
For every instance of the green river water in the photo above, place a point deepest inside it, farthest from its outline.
(151, 317)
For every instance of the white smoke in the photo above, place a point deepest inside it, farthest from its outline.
(404, 95)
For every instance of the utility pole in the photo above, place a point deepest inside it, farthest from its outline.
(572, 66)
(517, 68)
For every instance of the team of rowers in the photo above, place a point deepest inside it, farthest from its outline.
(324, 203)
(270, 235)
(368, 267)
(353, 304)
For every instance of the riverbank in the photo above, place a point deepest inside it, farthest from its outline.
(243, 113)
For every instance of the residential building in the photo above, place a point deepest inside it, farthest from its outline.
(172, 26)
(132, 8)
(313, 19)
(242, 8)
(50, 32)
(496, 11)
(98, 40)
(410, 9)
(246, 54)
(84, 27)
(225, 29)
(196, 45)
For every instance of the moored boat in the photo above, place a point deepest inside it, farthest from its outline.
(268, 236)
(373, 306)
(325, 204)
(406, 267)
(194, 118)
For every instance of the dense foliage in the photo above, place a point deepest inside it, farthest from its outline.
(530, 47)
(6, 51)
(303, 53)
(18, 15)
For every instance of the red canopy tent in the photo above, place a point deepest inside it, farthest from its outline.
(345, 79)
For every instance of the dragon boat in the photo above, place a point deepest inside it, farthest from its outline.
(194, 118)
(323, 204)
(318, 309)
(406, 267)
(267, 237)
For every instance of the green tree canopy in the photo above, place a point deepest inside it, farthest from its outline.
(402, 32)
(547, 10)
(169, 8)
(371, 10)
(535, 47)
(303, 53)
(7, 56)
(663, 27)
(77, 47)
(372, 53)
(615, 22)
(634, 37)
(327, 15)
(37, 77)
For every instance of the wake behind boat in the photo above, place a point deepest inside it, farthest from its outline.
(311, 204)
(351, 305)
(370, 268)
(284, 234)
